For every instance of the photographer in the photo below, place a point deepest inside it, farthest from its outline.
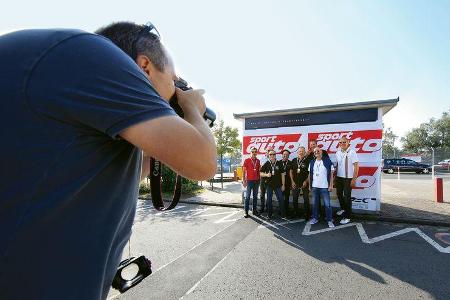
(77, 113)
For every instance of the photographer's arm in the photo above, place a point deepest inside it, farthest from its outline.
(186, 146)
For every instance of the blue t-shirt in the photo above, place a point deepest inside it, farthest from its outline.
(69, 184)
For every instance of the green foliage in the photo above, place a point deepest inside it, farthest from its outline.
(389, 149)
(226, 139)
(227, 142)
(189, 186)
(434, 134)
(168, 179)
(144, 188)
(168, 183)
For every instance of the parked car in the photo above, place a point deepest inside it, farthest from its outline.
(404, 165)
(444, 164)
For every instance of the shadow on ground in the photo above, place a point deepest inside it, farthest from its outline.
(419, 265)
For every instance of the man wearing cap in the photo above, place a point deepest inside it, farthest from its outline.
(250, 180)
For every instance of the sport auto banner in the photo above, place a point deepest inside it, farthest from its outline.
(365, 138)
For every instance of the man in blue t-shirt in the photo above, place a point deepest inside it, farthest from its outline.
(76, 114)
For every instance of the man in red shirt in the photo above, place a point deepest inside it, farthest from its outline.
(251, 180)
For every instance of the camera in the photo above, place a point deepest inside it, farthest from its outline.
(209, 115)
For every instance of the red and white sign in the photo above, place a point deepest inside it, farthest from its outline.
(366, 178)
(278, 142)
(365, 138)
(362, 141)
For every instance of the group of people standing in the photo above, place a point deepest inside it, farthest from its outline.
(310, 172)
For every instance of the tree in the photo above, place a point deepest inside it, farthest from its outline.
(432, 135)
(227, 142)
(389, 149)
(236, 157)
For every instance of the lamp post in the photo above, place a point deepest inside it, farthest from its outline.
(432, 157)
(432, 163)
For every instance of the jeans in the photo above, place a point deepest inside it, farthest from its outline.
(295, 195)
(252, 186)
(318, 193)
(280, 199)
(344, 194)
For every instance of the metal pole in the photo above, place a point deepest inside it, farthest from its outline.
(432, 159)
(432, 163)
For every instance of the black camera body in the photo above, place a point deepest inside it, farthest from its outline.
(209, 115)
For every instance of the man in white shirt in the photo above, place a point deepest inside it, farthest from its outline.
(321, 180)
(347, 172)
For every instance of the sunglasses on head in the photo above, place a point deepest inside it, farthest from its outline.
(146, 29)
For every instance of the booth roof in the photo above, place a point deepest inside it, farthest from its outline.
(386, 106)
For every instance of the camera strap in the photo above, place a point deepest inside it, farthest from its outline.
(155, 187)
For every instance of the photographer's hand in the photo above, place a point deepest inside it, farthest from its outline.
(191, 102)
(186, 146)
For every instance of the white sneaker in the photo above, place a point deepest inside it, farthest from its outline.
(340, 212)
(313, 221)
(330, 225)
(345, 221)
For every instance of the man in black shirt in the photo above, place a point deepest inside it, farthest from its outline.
(300, 182)
(287, 173)
(272, 170)
(262, 182)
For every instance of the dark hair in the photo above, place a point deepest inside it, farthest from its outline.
(286, 150)
(136, 39)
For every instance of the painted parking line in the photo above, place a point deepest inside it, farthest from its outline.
(365, 239)
(169, 211)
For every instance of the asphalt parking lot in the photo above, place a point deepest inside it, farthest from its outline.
(208, 252)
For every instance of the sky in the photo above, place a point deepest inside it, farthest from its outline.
(267, 55)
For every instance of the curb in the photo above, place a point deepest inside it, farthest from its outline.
(363, 217)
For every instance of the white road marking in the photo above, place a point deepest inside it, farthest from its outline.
(274, 225)
(365, 239)
(206, 275)
(220, 231)
(169, 211)
(227, 219)
(217, 214)
(200, 211)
